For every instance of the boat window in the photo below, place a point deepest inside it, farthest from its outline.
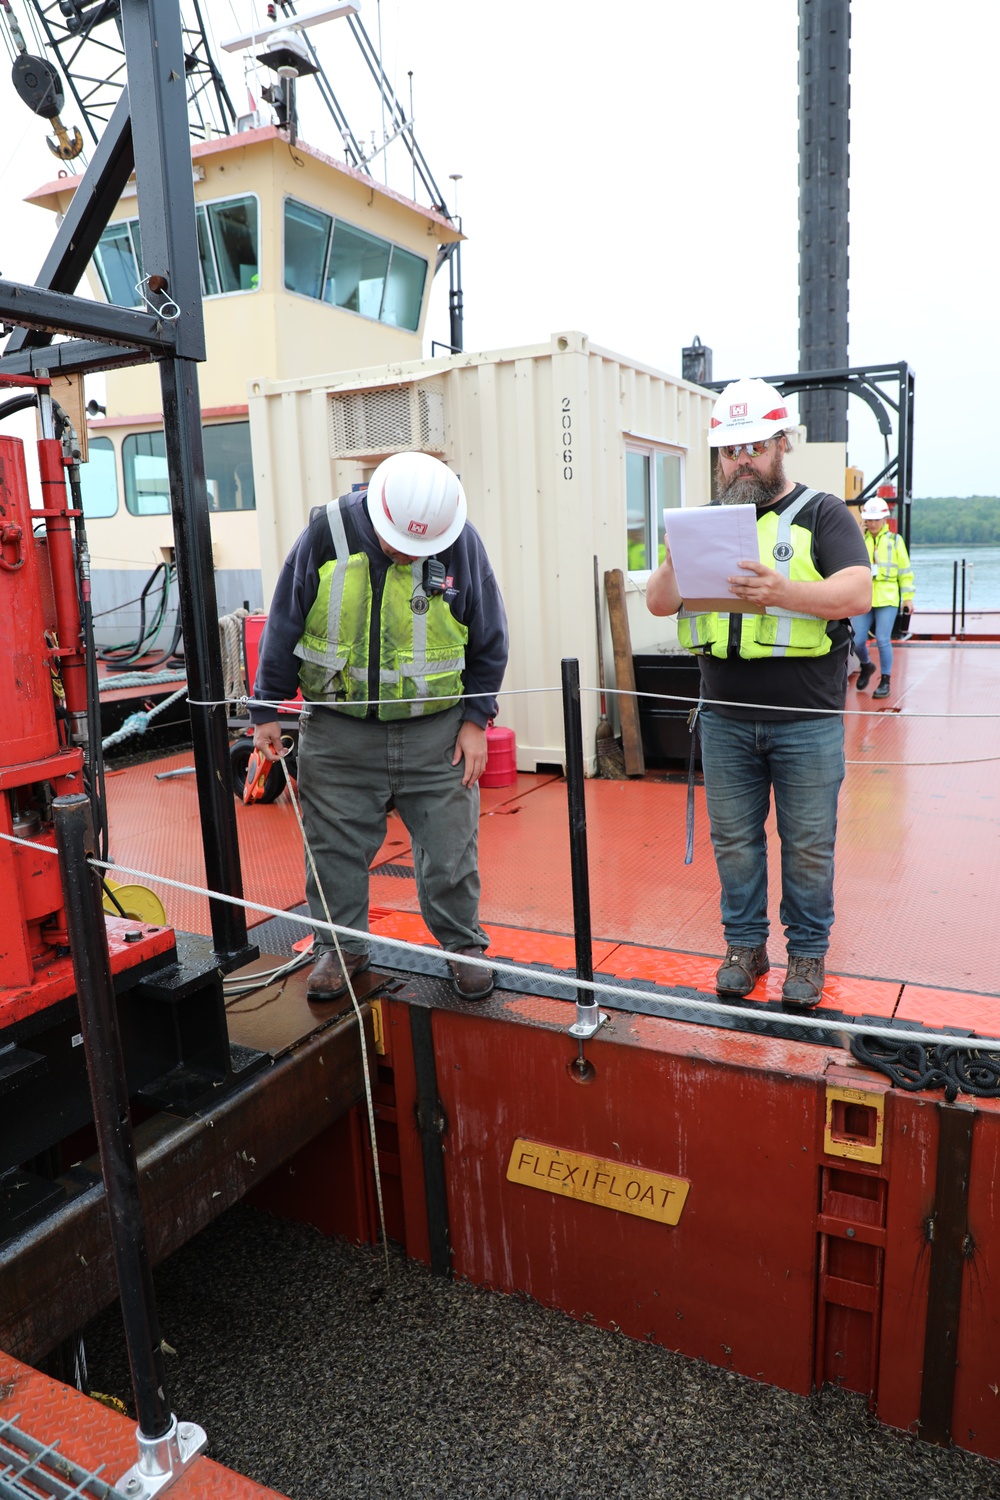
(232, 242)
(352, 269)
(99, 479)
(229, 466)
(228, 470)
(209, 280)
(356, 275)
(144, 462)
(228, 236)
(653, 483)
(307, 239)
(404, 289)
(118, 258)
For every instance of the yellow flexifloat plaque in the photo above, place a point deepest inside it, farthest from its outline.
(591, 1179)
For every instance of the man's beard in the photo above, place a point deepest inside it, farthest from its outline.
(750, 487)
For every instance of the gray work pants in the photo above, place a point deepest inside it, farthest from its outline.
(349, 769)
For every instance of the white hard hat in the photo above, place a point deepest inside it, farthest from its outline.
(874, 510)
(748, 411)
(416, 504)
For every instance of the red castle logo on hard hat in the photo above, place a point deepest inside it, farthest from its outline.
(417, 528)
(739, 410)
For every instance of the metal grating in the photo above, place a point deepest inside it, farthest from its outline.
(30, 1470)
(390, 419)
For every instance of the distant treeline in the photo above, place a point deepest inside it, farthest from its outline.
(975, 518)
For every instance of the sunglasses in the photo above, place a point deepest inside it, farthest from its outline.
(752, 450)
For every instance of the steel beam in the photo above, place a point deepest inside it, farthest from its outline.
(156, 74)
(88, 939)
(950, 1251)
(76, 357)
(57, 312)
(824, 103)
(199, 615)
(433, 1127)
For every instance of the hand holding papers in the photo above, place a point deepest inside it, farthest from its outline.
(707, 544)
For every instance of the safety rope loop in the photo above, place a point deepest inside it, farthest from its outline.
(917, 1067)
(973, 1072)
(908, 1064)
(357, 1009)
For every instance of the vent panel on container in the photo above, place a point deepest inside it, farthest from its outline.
(387, 420)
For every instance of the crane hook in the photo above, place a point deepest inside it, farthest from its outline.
(66, 147)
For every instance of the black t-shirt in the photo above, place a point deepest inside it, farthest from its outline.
(764, 687)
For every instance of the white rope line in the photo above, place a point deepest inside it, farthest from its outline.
(357, 1011)
(854, 713)
(287, 707)
(706, 1007)
(973, 760)
(881, 714)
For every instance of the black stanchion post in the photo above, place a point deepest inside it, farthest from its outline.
(163, 1448)
(954, 595)
(588, 1016)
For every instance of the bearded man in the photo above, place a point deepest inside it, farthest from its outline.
(774, 683)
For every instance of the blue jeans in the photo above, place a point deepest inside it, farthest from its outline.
(803, 761)
(885, 619)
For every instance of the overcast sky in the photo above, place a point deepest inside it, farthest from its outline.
(630, 170)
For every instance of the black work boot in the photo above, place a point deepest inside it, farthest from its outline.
(865, 675)
(882, 691)
(803, 986)
(741, 968)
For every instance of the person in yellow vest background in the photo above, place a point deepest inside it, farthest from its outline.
(773, 684)
(387, 615)
(892, 593)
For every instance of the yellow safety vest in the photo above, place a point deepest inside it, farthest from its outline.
(892, 575)
(779, 632)
(421, 651)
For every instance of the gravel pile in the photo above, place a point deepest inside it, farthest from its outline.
(315, 1373)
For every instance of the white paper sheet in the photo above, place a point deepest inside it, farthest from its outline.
(706, 545)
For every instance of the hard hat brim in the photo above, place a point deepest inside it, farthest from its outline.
(748, 432)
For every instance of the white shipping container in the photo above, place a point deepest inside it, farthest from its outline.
(555, 444)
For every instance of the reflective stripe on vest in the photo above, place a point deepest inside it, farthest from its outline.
(783, 565)
(891, 577)
(887, 567)
(710, 632)
(421, 652)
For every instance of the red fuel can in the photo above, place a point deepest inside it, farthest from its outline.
(501, 757)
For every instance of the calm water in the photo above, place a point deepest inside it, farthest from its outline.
(933, 573)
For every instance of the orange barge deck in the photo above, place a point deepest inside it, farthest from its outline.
(781, 1210)
(918, 854)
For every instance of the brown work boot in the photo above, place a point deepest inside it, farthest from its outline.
(328, 980)
(470, 981)
(803, 986)
(741, 968)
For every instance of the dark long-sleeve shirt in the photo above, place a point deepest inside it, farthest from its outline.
(471, 592)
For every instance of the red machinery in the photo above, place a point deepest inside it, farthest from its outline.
(171, 1008)
(42, 660)
(44, 690)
